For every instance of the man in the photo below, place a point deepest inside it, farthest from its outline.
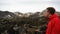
(54, 23)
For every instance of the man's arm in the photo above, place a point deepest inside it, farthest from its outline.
(50, 27)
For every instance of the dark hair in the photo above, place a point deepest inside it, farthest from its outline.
(51, 10)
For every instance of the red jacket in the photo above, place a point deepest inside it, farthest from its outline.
(53, 25)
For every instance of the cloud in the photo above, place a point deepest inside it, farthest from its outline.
(28, 5)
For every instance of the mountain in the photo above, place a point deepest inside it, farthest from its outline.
(6, 13)
(58, 13)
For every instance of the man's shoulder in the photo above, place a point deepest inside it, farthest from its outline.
(55, 20)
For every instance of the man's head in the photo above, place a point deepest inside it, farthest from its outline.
(50, 11)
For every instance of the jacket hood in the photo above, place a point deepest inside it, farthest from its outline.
(53, 16)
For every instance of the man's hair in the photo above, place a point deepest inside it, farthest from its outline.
(51, 10)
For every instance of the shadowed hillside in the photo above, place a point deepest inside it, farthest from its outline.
(19, 23)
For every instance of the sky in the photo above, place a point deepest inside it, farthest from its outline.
(28, 5)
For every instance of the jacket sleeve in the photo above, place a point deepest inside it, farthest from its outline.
(49, 27)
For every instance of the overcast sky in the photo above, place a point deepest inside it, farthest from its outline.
(28, 5)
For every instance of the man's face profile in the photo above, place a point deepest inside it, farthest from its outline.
(46, 13)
